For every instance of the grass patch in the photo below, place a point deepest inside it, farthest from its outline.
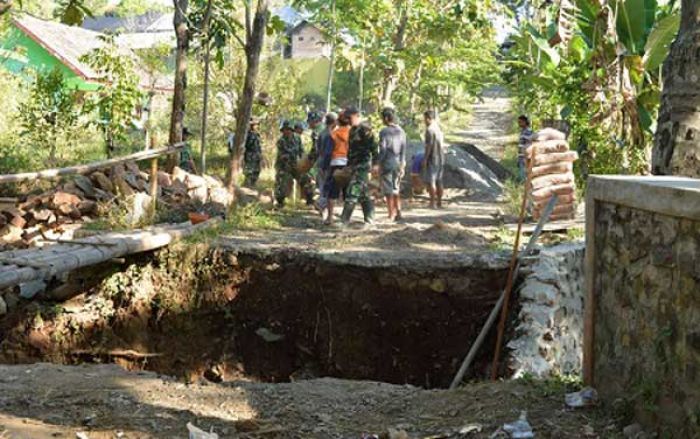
(253, 217)
(555, 385)
(513, 197)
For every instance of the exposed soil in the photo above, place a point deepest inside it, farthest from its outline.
(268, 317)
(108, 402)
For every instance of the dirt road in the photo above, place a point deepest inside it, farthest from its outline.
(490, 125)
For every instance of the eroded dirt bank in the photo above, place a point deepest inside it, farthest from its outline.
(195, 311)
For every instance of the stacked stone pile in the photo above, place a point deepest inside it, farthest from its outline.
(31, 219)
(551, 169)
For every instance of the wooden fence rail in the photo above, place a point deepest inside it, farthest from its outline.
(49, 174)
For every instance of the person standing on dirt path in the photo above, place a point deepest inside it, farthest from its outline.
(252, 157)
(434, 159)
(524, 141)
(288, 153)
(392, 162)
(339, 144)
(362, 159)
(322, 149)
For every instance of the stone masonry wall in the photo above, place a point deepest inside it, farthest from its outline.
(549, 332)
(647, 326)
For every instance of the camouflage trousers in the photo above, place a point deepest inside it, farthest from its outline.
(251, 170)
(358, 191)
(283, 185)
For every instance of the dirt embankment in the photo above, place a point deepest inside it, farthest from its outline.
(194, 310)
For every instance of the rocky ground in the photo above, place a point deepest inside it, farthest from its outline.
(106, 402)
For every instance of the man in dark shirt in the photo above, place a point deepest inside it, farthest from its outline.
(362, 156)
(392, 162)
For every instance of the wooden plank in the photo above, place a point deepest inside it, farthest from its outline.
(48, 174)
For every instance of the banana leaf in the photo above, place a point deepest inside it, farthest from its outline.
(659, 41)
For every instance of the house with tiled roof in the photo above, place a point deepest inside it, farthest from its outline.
(31, 44)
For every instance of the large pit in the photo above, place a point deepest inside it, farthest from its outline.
(196, 311)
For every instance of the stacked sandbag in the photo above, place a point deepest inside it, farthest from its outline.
(551, 171)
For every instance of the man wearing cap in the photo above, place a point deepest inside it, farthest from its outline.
(288, 153)
(253, 155)
(362, 156)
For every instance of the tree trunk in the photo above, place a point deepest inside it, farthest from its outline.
(329, 84)
(361, 87)
(415, 89)
(391, 75)
(183, 42)
(205, 110)
(677, 141)
(255, 37)
(331, 65)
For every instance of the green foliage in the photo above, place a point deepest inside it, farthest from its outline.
(608, 96)
(119, 95)
(50, 116)
(130, 8)
(556, 385)
(71, 12)
(429, 54)
(659, 41)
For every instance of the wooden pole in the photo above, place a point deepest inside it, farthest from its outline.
(154, 184)
(49, 174)
(511, 277)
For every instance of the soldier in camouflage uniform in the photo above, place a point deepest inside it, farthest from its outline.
(253, 155)
(362, 157)
(315, 121)
(289, 151)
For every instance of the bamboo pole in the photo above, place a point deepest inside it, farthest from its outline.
(51, 263)
(48, 174)
(154, 181)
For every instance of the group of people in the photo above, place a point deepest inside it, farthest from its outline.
(343, 156)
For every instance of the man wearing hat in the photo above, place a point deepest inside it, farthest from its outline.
(362, 157)
(253, 154)
(289, 151)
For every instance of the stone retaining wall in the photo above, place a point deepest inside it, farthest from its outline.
(549, 332)
(644, 337)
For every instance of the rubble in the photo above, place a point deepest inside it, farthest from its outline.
(76, 201)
